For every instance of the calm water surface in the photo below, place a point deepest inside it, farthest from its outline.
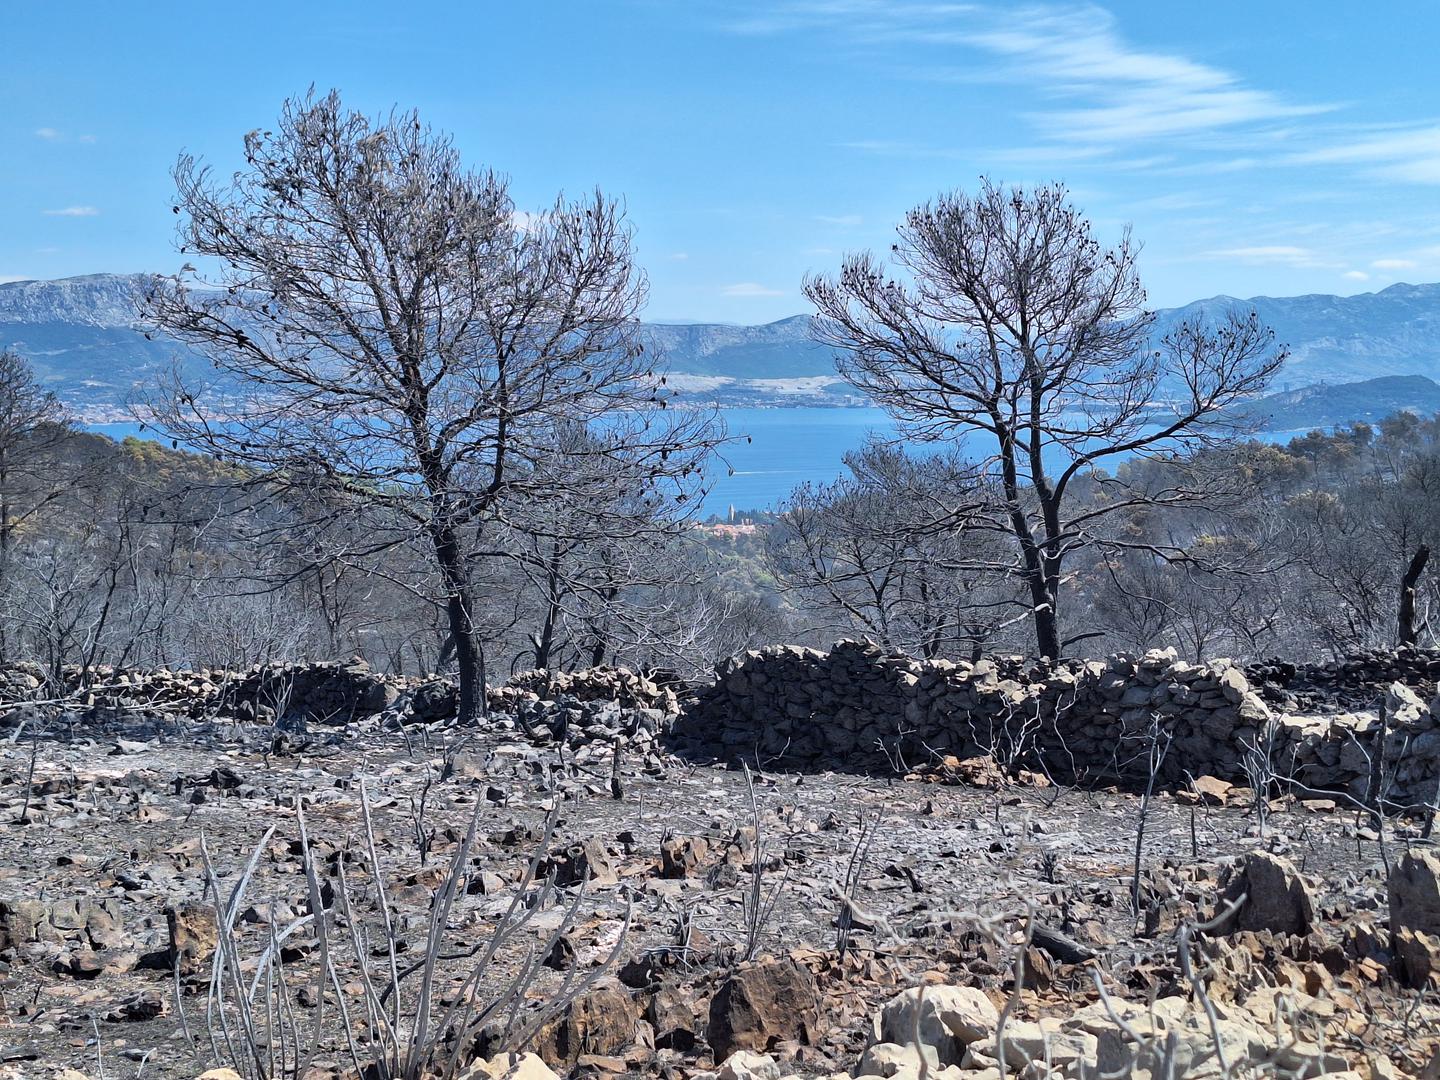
(787, 447)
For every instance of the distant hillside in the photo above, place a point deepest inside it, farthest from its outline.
(777, 350)
(1336, 339)
(80, 334)
(1325, 406)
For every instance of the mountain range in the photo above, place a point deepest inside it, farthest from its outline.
(80, 334)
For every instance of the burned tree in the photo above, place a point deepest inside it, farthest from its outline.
(1011, 331)
(33, 428)
(32, 425)
(392, 333)
(599, 572)
(890, 551)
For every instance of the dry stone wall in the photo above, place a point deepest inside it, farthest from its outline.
(318, 692)
(1356, 679)
(336, 692)
(860, 707)
(1393, 751)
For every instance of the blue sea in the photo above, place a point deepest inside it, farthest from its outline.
(786, 447)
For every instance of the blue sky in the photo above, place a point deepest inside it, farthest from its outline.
(1276, 148)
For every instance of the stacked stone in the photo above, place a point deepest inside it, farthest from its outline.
(619, 684)
(106, 685)
(593, 723)
(23, 921)
(325, 692)
(319, 692)
(435, 699)
(1343, 753)
(21, 681)
(858, 706)
(1360, 678)
(160, 687)
(1112, 717)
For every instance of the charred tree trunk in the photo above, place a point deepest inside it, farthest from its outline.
(544, 641)
(1047, 626)
(4, 549)
(599, 644)
(469, 659)
(1044, 587)
(1407, 632)
(460, 609)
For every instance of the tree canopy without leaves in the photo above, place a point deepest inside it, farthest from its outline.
(1008, 328)
(888, 551)
(393, 335)
(32, 425)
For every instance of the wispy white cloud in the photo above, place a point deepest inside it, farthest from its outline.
(900, 148)
(50, 134)
(1048, 154)
(1087, 97)
(1177, 200)
(679, 256)
(880, 15)
(1122, 93)
(75, 211)
(750, 289)
(1408, 154)
(1272, 252)
(846, 221)
(1093, 96)
(1301, 258)
(1136, 94)
(524, 220)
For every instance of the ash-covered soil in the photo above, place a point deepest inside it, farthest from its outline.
(938, 877)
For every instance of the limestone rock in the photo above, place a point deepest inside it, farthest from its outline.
(507, 1066)
(762, 1003)
(1212, 790)
(193, 935)
(1277, 899)
(1414, 893)
(673, 1017)
(888, 1059)
(20, 922)
(600, 1021)
(950, 1019)
(1414, 889)
(683, 856)
(1419, 955)
(748, 1065)
(586, 861)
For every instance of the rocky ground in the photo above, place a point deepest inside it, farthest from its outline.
(684, 918)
